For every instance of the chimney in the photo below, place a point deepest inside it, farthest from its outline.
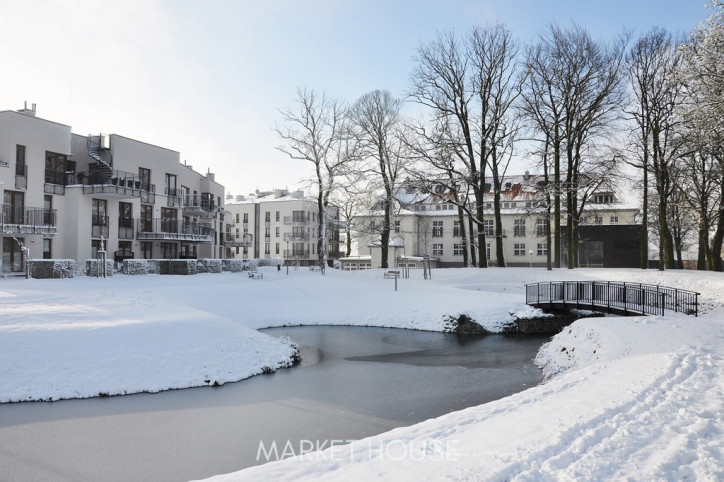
(31, 112)
(239, 197)
(527, 175)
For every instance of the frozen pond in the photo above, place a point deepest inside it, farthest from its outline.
(353, 382)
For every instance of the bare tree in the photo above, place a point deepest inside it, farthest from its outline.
(653, 61)
(314, 132)
(702, 73)
(376, 126)
(574, 87)
(470, 86)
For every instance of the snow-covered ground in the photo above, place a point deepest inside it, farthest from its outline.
(637, 398)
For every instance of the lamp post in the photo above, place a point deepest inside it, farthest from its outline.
(286, 261)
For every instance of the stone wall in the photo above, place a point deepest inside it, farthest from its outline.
(52, 268)
(182, 266)
(208, 265)
(135, 266)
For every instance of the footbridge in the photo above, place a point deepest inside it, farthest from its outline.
(613, 297)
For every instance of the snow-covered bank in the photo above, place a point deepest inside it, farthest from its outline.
(85, 337)
(626, 398)
(637, 398)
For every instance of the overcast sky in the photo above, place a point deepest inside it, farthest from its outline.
(207, 78)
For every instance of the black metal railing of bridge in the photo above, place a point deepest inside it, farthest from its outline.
(612, 297)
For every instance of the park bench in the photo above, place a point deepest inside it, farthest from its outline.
(393, 273)
(253, 274)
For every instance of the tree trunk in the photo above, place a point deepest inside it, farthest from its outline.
(644, 236)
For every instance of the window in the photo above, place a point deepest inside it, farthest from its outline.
(437, 249)
(246, 218)
(458, 249)
(298, 217)
(168, 221)
(583, 220)
(276, 233)
(519, 249)
(542, 249)
(541, 227)
(267, 217)
(614, 219)
(146, 218)
(95, 247)
(519, 228)
(487, 250)
(437, 230)
(599, 220)
(145, 176)
(456, 229)
(171, 187)
(99, 218)
(20, 169)
(237, 233)
(276, 248)
(397, 226)
(267, 232)
(169, 251)
(47, 249)
(237, 218)
(603, 198)
(125, 220)
(48, 214)
(277, 216)
(56, 166)
(488, 227)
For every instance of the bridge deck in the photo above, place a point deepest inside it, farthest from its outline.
(612, 297)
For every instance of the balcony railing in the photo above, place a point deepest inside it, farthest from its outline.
(125, 228)
(25, 220)
(174, 229)
(297, 219)
(296, 253)
(173, 197)
(199, 206)
(21, 176)
(244, 240)
(107, 183)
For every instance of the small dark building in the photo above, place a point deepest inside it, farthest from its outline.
(610, 246)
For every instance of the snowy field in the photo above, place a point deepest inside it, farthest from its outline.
(638, 398)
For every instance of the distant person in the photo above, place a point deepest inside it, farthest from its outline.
(279, 267)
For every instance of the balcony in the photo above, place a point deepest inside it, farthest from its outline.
(296, 253)
(20, 220)
(174, 230)
(173, 197)
(199, 206)
(299, 238)
(109, 183)
(297, 220)
(232, 241)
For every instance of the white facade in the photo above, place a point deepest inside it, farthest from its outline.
(66, 195)
(282, 225)
(428, 225)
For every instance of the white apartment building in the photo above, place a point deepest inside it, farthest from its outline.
(428, 225)
(281, 225)
(66, 195)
